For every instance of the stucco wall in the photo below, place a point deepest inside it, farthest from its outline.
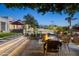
(6, 20)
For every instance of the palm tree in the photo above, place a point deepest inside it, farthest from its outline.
(69, 19)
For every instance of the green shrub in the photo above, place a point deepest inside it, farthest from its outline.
(2, 35)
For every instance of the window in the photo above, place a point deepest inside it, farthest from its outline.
(3, 26)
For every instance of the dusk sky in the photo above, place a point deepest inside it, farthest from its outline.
(46, 19)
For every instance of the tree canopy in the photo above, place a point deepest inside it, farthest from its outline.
(67, 8)
(30, 20)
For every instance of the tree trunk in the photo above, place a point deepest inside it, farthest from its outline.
(70, 30)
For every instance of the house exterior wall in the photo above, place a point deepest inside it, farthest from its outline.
(4, 24)
(0, 26)
(28, 29)
(11, 26)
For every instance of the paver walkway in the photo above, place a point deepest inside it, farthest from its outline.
(35, 49)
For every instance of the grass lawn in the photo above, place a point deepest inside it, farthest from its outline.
(3, 35)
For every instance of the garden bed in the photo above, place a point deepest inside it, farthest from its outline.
(5, 35)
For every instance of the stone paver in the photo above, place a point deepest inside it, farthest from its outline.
(35, 49)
